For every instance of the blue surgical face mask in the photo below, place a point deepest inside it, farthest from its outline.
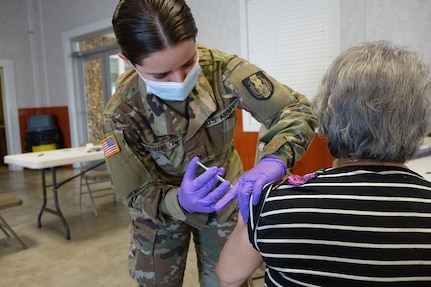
(174, 91)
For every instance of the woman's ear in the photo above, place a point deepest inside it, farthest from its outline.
(125, 59)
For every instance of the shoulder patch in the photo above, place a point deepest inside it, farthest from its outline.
(259, 86)
(110, 146)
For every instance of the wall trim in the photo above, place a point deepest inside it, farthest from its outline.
(10, 109)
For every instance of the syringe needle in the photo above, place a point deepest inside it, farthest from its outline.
(221, 179)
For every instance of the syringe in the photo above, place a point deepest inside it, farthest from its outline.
(221, 179)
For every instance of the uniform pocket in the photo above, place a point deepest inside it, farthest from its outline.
(141, 260)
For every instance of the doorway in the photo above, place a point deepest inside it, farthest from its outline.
(97, 67)
(96, 90)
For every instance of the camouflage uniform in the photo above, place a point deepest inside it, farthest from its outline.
(152, 144)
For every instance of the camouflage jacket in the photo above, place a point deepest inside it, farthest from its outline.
(150, 143)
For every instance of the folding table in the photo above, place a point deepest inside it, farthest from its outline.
(50, 160)
(422, 166)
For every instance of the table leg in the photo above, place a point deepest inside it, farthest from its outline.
(39, 218)
(55, 186)
(57, 210)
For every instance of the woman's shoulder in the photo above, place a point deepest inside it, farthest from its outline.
(126, 88)
(211, 55)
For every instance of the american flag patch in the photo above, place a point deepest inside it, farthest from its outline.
(110, 146)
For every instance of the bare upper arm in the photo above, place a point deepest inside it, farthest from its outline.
(238, 259)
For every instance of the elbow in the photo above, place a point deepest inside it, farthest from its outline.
(221, 278)
(224, 277)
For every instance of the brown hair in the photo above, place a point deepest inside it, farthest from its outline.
(143, 27)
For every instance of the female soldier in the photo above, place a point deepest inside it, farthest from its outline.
(175, 107)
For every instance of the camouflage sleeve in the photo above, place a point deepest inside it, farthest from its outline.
(284, 112)
(292, 133)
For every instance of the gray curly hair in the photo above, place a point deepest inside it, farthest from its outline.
(374, 103)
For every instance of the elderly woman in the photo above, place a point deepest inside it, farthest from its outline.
(366, 222)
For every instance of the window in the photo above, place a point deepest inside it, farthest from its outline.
(294, 41)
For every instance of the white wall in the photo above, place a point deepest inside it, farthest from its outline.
(218, 23)
(14, 45)
(404, 22)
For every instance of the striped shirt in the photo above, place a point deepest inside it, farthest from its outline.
(350, 226)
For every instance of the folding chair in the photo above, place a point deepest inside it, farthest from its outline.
(94, 181)
(7, 201)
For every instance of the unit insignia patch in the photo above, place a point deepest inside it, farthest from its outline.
(259, 86)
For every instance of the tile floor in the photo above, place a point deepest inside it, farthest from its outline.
(96, 254)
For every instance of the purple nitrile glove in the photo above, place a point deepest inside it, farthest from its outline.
(268, 169)
(196, 194)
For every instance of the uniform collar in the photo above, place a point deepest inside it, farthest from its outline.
(166, 121)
